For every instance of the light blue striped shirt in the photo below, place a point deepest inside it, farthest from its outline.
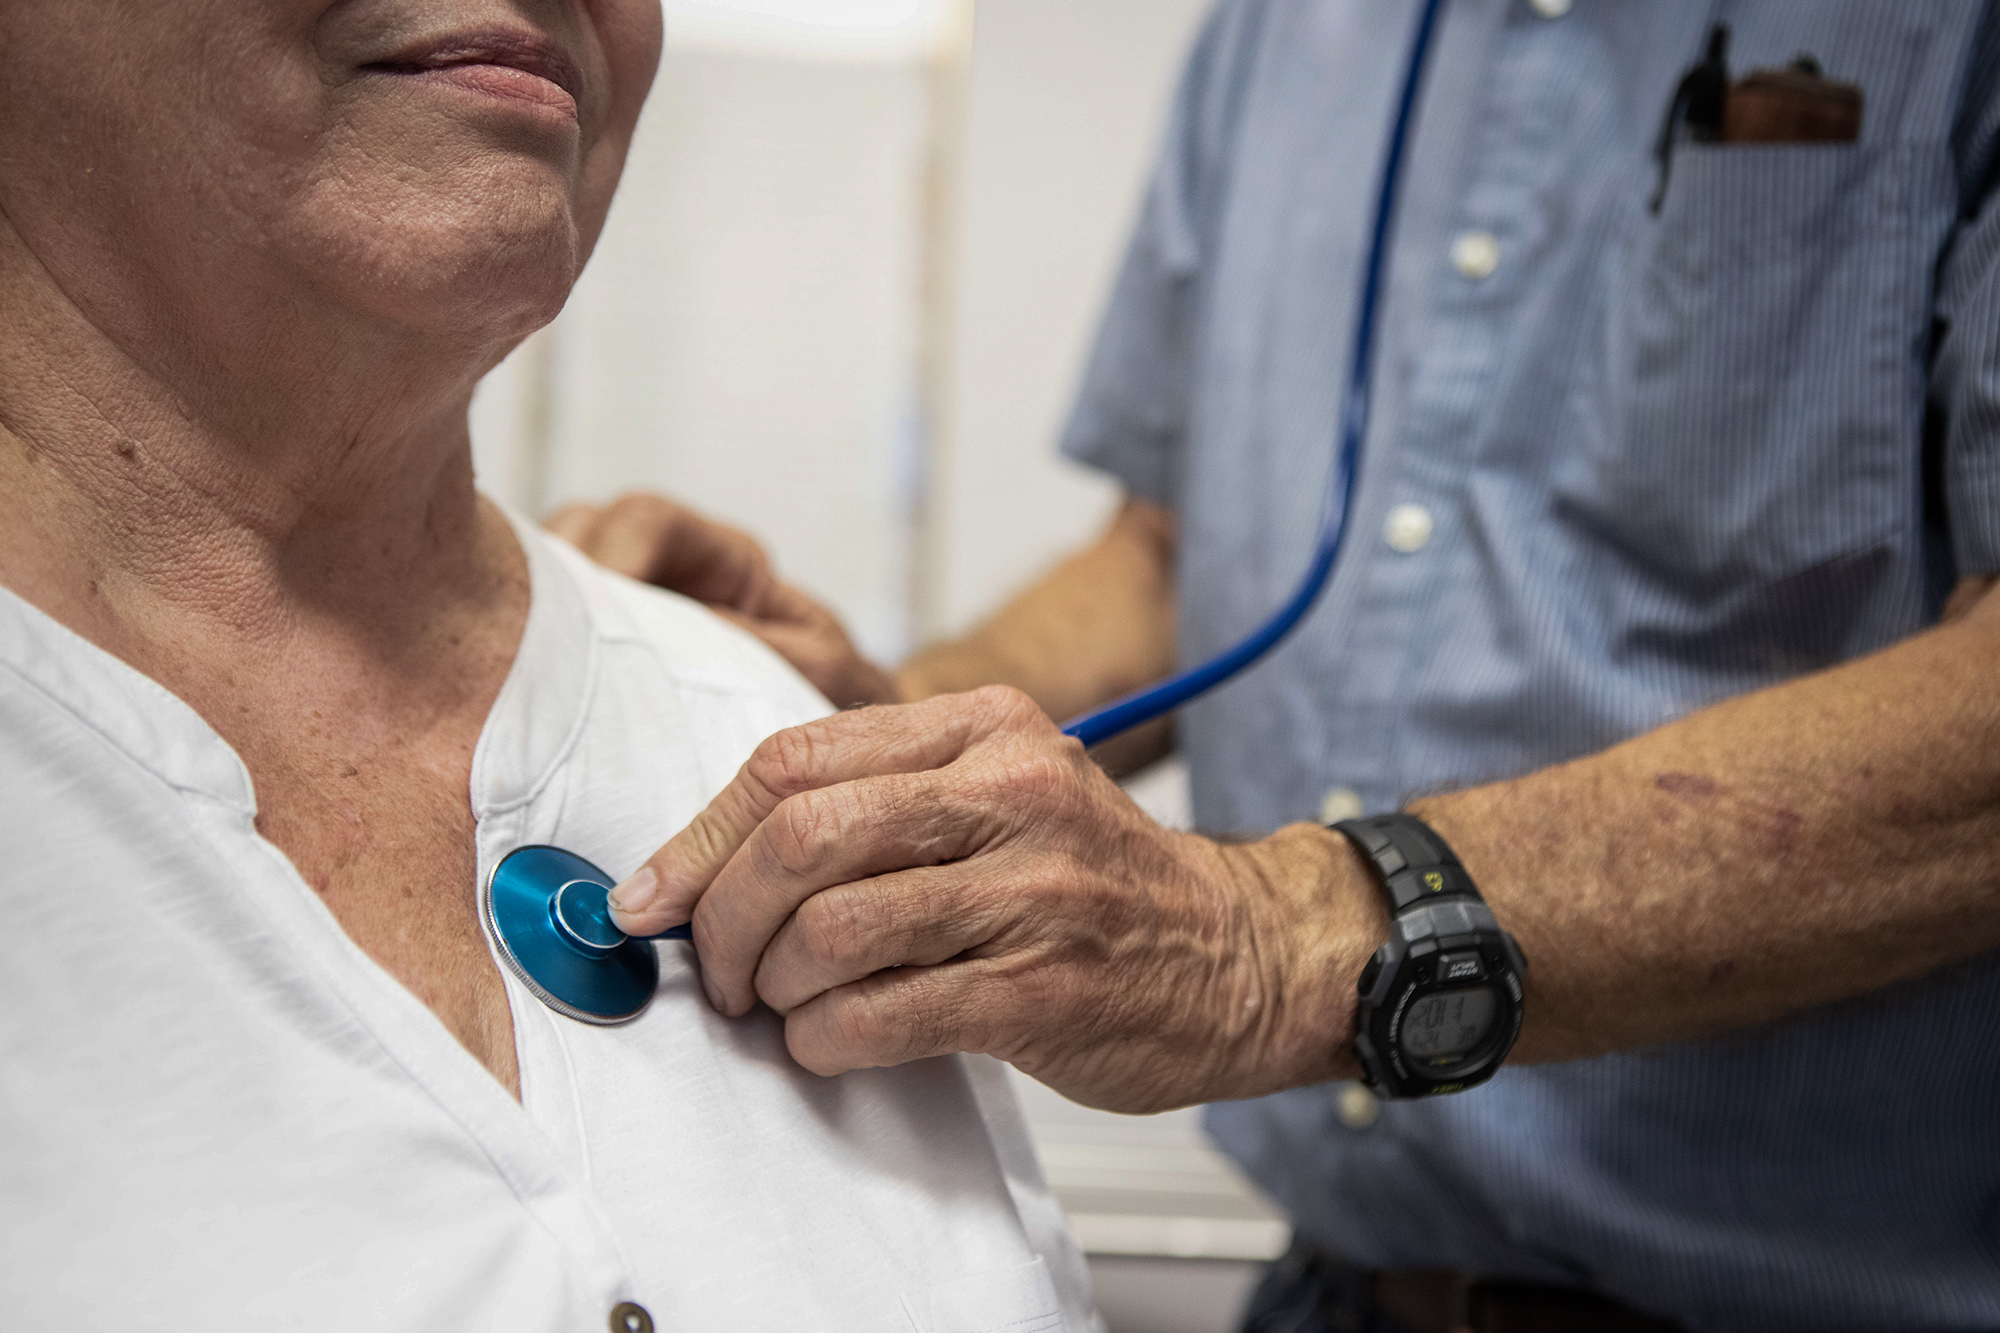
(1664, 459)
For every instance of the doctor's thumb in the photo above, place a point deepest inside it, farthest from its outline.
(638, 907)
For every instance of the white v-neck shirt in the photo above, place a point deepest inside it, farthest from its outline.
(217, 1112)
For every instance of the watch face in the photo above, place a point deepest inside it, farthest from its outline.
(1445, 1027)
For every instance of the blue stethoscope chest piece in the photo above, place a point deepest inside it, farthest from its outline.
(549, 913)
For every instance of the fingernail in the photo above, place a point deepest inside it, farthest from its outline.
(637, 893)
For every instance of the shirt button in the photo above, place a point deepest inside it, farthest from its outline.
(630, 1317)
(1356, 1106)
(1339, 803)
(1475, 254)
(1408, 528)
(1550, 9)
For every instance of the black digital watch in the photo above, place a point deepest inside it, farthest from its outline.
(1440, 1003)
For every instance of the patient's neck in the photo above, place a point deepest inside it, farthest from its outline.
(329, 494)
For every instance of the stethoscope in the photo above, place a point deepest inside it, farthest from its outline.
(548, 910)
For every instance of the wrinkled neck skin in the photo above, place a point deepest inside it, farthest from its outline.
(171, 491)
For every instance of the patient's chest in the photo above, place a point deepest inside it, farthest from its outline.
(384, 836)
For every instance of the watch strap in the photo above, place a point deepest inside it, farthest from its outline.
(1412, 863)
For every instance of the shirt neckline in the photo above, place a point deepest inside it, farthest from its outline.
(539, 713)
(531, 724)
(143, 719)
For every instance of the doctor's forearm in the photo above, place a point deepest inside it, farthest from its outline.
(1793, 847)
(1097, 626)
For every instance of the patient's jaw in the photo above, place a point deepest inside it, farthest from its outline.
(270, 179)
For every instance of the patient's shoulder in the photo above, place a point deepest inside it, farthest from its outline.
(698, 649)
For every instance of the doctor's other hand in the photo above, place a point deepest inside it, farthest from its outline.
(664, 543)
(957, 875)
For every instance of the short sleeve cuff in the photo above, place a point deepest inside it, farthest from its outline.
(1972, 497)
(1141, 461)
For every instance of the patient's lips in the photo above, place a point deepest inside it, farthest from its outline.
(504, 81)
(513, 65)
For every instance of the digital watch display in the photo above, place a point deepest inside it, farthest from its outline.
(1440, 1002)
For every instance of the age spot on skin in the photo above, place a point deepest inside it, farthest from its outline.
(1780, 829)
(1686, 784)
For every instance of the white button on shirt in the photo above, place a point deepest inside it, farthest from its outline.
(1408, 528)
(220, 1113)
(1357, 1107)
(1339, 803)
(1475, 254)
(1550, 9)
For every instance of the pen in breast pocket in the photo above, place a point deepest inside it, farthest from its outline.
(1797, 104)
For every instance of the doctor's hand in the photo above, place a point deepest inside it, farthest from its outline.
(956, 875)
(657, 541)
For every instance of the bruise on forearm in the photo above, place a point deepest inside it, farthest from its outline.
(1804, 844)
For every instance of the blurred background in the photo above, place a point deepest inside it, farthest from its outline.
(842, 302)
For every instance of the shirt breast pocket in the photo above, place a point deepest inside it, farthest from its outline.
(1756, 398)
(1008, 1300)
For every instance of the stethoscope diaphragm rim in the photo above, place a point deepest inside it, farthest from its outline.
(516, 905)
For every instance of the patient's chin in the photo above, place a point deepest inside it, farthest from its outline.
(482, 256)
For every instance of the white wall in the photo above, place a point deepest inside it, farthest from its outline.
(745, 336)
(1066, 99)
(753, 311)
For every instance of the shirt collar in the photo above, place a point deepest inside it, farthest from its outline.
(532, 725)
(135, 713)
(539, 714)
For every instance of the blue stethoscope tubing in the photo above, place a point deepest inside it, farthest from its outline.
(546, 908)
(1157, 700)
